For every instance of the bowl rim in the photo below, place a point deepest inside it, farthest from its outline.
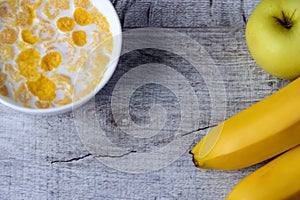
(106, 76)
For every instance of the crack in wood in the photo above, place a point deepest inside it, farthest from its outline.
(199, 129)
(210, 3)
(149, 14)
(121, 155)
(243, 12)
(72, 159)
(88, 155)
(115, 156)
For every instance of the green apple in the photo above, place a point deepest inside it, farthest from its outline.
(273, 37)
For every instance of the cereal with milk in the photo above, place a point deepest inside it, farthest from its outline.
(45, 51)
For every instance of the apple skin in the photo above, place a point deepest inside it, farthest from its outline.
(273, 37)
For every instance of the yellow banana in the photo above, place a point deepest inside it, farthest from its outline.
(279, 179)
(259, 132)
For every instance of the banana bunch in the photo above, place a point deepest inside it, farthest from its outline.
(278, 179)
(262, 131)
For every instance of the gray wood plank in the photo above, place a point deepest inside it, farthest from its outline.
(43, 157)
(187, 13)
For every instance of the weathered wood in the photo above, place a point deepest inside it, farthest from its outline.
(187, 13)
(45, 158)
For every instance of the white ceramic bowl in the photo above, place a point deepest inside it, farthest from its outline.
(106, 8)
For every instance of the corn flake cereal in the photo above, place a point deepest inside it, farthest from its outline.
(50, 11)
(62, 31)
(99, 59)
(46, 33)
(51, 61)
(82, 3)
(63, 82)
(4, 11)
(31, 3)
(108, 42)
(66, 100)
(8, 36)
(82, 61)
(4, 91)
(3, 88)
(12, 5)
(26, 17)
(7, 53)
(61, 4)
(43, 104)
(28, 37)
(100, 21)
(13, 73)
(28, 62)
(82, 17)
(23, 95)
(42, 87)
(79, 38)
(3, 78)
(65, 24)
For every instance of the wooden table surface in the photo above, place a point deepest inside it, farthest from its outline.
(184, 68)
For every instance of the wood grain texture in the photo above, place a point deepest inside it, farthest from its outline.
(186, 13)
(43, 157)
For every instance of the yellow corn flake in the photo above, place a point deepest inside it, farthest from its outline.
(108, 42)
(51, 61)
(3, 77)
(46, 33)
(65, 24)
(28, 37)
(98, 71)
(13, 73)
(8, 36)
(99, 59)
(96, 38)
(82, 3)
(12, 5)
(95, 83)
(21, 45)
(50, 49)
(7, 53)
(66, 100)
(28, 62)
(42, 104)
(42, 87)
(71, 67)
(4, 90)
(23, 95)
(100, 21)
(61, 4)
(82, 17)
(61, 78)
(63, 83)
(99, 63)
(81, 62)
(79, 38)
(4, 11)
(35, 4)
(90, 86)
(26, 17)
(50, 11)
